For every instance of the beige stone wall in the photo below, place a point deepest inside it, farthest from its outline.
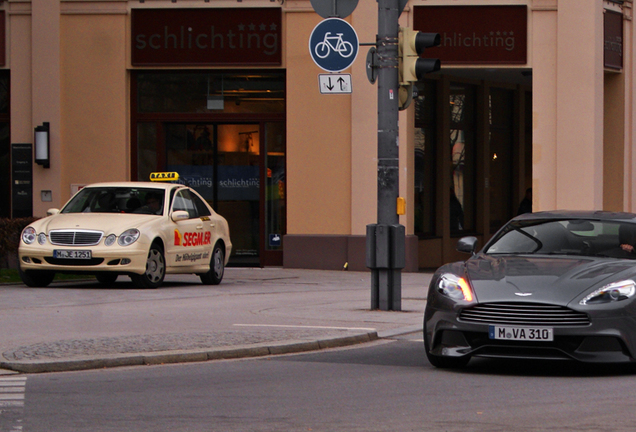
(318, 140)
(94, 99)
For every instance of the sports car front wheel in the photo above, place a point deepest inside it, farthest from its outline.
(155, 269)
(443, 362)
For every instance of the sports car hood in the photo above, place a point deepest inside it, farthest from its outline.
(109, 223)
(539, 279)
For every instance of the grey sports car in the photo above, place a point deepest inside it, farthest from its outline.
(548, 285)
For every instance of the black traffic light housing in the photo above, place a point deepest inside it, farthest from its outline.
(412, 44)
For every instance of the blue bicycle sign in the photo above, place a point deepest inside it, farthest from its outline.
(333, 45)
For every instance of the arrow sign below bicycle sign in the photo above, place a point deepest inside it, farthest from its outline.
(335, 83)
(333, 45)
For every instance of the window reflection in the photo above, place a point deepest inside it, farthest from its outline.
(501, 144)
(425, 159)
(462, 142)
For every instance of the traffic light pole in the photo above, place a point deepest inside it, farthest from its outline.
(384, 238)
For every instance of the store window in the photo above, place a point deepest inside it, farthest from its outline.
(501, 109)
(214, 92)
(425, 159)
(462, 142)
(224, 133)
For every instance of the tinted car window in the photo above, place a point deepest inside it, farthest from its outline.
(115, 200)
(183, 201)
(566, 237)
(200, 205)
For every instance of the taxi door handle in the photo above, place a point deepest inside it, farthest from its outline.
(199, 227)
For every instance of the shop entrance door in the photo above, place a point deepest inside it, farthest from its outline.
(223, 163)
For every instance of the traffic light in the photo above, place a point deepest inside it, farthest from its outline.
(411, 45)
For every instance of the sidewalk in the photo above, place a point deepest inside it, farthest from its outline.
(254, 312)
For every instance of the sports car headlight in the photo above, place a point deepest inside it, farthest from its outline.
(29, 235)
(128, 237)
(613, 292)
(110, 240)
(42, 238)
(454, 287)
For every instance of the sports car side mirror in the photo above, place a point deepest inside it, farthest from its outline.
(467, 244)
(179, 215)
(52, 211)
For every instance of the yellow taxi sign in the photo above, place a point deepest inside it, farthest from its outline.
(164, 176)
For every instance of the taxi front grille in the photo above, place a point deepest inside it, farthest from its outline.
(75, 237)
(72, 262)
(524, 314)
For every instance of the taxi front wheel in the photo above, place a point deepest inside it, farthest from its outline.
(155, 269)
(36, 278)
(217, 267)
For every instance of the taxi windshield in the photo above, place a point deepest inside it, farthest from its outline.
(116, 200)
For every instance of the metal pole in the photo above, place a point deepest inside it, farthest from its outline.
(386, 282)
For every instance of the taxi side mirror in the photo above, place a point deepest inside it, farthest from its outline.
(179, 215)
(52, 211)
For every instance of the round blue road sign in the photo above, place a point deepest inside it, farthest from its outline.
(333, 45)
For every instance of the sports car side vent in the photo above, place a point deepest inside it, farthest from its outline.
(75, 237)
(524, 314)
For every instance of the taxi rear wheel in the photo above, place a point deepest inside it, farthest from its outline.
(36, 278)
(217, 267)
(155, 269)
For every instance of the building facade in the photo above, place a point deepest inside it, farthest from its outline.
(533, 95)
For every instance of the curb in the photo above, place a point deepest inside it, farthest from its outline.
(186, 356)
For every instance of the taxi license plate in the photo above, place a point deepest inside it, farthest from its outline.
(72, 254)
(542, 334)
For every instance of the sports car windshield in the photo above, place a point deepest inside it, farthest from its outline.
(566, 237)
(116, 200)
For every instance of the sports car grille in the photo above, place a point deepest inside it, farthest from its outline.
(524, 314)
(75, 237)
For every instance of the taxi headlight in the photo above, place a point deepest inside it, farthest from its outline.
(42, 238)
(610, 293)
(110, 240)
(128, 237)
(454, 287)
(29, 235)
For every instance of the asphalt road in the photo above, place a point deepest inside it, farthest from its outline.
(385, 385)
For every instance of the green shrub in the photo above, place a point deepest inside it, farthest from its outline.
(10, 230)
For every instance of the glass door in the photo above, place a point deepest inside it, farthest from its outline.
(238, 188)
(222, 163)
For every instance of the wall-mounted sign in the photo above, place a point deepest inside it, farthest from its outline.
(333, 45)
(21, 180)
(206, 37)
(334, 83)
(613, 30)
(476, 34)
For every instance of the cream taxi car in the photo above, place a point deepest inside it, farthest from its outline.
(141, 229)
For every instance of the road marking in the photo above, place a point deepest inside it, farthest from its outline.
(307, 327)
(11, 396)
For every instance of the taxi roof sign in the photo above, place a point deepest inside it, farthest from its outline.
(164, 176)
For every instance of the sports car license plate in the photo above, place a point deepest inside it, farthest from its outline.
(72, 254)
(543, 334)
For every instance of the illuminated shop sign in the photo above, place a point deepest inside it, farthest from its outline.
(206, 37)
(476, 34)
